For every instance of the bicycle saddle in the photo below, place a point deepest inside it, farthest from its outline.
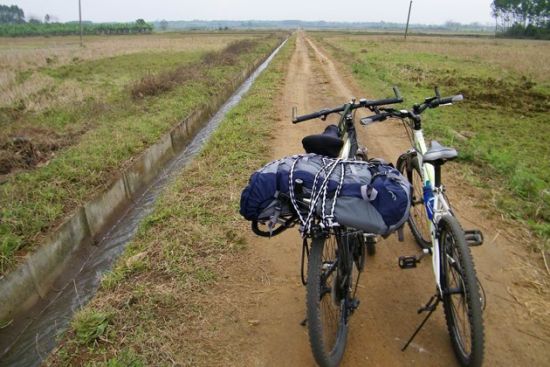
(439, 154)
(328, 143)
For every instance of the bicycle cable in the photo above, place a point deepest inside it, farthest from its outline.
(407, 130)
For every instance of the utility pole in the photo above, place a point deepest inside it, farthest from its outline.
(408, 19)
(80, 21)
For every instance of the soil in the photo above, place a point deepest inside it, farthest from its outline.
(29, 148)
(272, 304)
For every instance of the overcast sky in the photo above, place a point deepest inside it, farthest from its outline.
(424, 11)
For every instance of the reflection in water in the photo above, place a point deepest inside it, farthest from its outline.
(28, 342)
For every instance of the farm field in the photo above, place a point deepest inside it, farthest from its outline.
(197, 288)
(71, 118)
(501, 129)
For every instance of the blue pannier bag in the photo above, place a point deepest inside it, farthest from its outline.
(372, 196)
(260, 191)
(392, 199)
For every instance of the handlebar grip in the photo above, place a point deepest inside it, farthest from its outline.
(382, 102)
(310, 116)
(397, 94)
(374, 118)
(447, 100)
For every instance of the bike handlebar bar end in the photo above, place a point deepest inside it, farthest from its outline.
(457, 98)
(366, 121)
(397, 93)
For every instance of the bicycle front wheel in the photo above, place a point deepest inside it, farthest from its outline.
(326, 307)
(418, 218)
(461, 297)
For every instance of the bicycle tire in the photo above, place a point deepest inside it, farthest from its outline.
(326, 317)
(418, 220)
(461, 297)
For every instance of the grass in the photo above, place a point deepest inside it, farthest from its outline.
(23, 60)
(77, 149)
(90, 326)
(501, 129)
(163, 289)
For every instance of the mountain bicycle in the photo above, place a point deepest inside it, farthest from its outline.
(335, 254)
(438, 232)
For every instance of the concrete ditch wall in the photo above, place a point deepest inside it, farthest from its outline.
(30, 282)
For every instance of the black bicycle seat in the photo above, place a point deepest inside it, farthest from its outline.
(328, 143)
(439, 154)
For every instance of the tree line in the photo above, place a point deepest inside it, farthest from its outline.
(522, 18)
(14, 24)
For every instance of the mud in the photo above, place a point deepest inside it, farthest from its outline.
(29, 148)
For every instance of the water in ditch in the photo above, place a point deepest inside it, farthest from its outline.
(29, 340)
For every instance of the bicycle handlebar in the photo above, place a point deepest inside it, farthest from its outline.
(375, 118)
(431, 102)
(436, 101)
(352, 106)
(322, 113)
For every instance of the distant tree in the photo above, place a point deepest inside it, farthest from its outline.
(140, 22)
(529, 18)
(455, 26)
(47, 18)
(524, 12)
(11, 14)
(163, 25)
(33, 20)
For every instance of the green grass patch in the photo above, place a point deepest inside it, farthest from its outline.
(189, 238)
(33, 202)
(123, 68)
(501, 128)
(89, 326)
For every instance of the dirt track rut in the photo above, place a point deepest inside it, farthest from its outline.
(516, 327)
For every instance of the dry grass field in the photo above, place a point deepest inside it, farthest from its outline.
(525, 57)
(21, 59)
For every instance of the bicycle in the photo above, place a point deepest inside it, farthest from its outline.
(335, 253)
(439, 234)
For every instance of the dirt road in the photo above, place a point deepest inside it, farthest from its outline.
(516, 319)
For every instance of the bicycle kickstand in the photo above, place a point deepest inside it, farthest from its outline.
(430, 308)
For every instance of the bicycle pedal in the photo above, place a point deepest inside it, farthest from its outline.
(353, 304)
(474, 237)
(408, 262)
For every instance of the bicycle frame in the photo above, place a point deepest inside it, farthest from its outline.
(346, 127)
(440, 205)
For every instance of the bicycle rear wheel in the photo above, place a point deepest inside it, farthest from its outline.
(326, 308)
(461, 297)
(418, 218)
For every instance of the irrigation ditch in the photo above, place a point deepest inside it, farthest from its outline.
(38, 299)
